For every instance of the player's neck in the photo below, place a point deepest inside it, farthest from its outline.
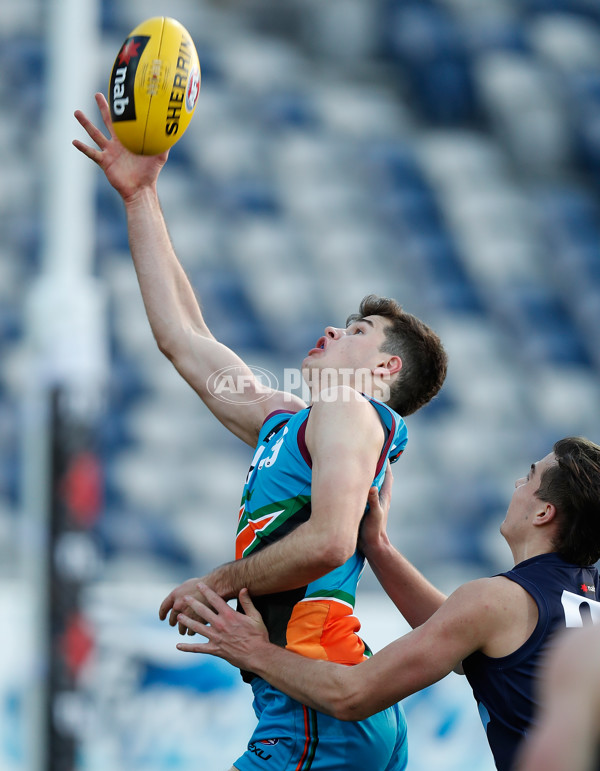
(526, 551)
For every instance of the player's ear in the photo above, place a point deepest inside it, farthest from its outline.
(388, 367)
(546, 514)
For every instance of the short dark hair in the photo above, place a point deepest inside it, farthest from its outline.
(572, 484)
(424, 360)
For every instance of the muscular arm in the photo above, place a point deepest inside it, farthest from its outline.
(171, 305)
(468, 621)
(344, 437)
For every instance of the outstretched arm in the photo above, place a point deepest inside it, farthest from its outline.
(414, 596)
(461, 626)
(171, 305)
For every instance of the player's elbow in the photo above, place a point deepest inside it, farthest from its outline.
(336, 547)
(341, 693)
(166, 344)
(349, 712)
(348, 705)
(175, 345)
(335, 553)
(176, 338)
(325, 550)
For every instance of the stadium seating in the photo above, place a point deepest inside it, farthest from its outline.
(459, 170)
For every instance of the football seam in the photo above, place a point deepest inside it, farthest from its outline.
(149, 111)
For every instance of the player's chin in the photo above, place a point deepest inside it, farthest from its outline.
(311, 362)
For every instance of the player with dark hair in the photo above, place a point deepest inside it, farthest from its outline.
(307, 487)
(497, 629)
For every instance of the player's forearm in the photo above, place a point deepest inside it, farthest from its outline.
(294, 561)
(345, 692)
(324, 686)
(414, 596)
(168, 296)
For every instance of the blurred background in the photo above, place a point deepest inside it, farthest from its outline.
(442, 152)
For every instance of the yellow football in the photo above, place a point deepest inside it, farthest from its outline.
(154, 86)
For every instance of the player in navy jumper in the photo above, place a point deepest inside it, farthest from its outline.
(496, 629)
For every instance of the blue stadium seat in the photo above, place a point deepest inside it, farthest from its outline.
(495, 34)
(228, 310)
(23, 67)
(204, 676)
(11, 323)
(248, 195)
(539, 319)
(124, 531)
(571, 215)
(10, 476)
(430, 49)
(410, 208)
(588, 9)
(282, 109)
(23, 233)
(451, 286)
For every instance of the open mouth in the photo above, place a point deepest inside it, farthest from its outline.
(320, 345)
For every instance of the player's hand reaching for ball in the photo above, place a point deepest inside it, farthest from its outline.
(127, 173)
(230, 635)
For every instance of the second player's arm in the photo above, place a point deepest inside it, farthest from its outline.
(468, 621)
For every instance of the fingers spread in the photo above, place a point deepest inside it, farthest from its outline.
(105, 112)
(201, 610)
(93, 131)
(90, 152)
(215, 599)
(192, 625)
(193, 647)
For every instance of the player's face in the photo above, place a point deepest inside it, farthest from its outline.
(355, 347)
(525, 504)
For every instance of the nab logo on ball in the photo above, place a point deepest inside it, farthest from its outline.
(122, 79)
(154, 86)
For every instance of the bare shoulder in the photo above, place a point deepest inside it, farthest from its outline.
(505, 612)
(492, 603)
(481, 596)
(346, 412)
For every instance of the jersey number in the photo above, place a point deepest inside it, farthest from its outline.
(268, 462)
(572, 606)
